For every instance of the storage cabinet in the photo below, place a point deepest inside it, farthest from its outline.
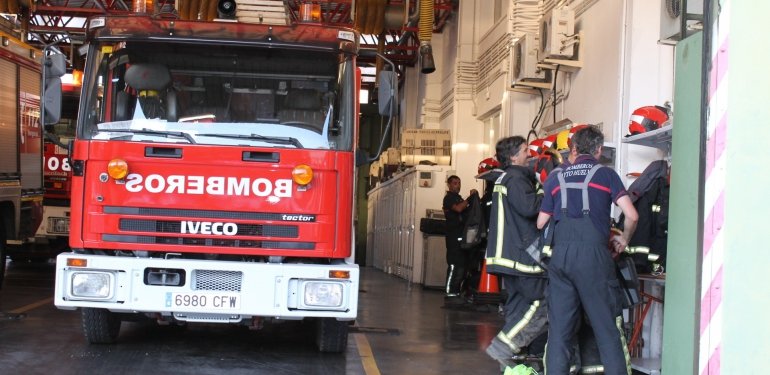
(395, 207)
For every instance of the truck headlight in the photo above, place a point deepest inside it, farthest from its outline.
(323, 294)
(95, 285)
(59, 225)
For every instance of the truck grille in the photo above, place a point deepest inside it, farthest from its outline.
(188, 241)
(219, 281)
(167, 223)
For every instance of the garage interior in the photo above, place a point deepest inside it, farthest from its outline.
(491, 69)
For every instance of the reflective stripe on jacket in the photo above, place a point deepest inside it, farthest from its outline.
(515, 205)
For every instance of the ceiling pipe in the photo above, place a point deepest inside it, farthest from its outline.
(410, 23)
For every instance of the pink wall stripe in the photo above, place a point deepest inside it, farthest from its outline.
(711, 301)
(715, 145)
(713, 224)
(714, 362)
(719, 68)
(711, 268)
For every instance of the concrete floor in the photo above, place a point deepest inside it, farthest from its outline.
(401, 329)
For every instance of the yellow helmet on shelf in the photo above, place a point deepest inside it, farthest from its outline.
(562, 140)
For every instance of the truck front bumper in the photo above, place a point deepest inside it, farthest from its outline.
(206, 290)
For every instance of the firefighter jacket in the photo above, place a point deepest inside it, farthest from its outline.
(512, 224)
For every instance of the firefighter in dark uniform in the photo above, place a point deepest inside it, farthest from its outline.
(456, 258)
(515, 207)
(581, 271)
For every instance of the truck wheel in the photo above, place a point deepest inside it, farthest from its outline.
(331, 335)
(100, 326)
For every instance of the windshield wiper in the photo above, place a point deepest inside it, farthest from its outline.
(269, 139)
(184, 135)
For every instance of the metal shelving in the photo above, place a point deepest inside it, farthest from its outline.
(658, 138)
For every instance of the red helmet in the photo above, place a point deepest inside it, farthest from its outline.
(550, 141)
(647, 118)
(536, 147)
(575, 128)
(545, 163)
(488, 164)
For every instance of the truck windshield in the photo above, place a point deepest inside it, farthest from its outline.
(219, 95)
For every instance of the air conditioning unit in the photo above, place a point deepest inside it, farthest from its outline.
(673, 12)
(523, 62)
(556, 27)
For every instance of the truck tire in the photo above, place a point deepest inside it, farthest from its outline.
(331, 335)
(100, 326)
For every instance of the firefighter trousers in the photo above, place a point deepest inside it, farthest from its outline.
(525, 309)
(582, 273)
(457, 263)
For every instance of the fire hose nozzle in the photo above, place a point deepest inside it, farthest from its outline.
(642, 250)
(427, 65)
(637, 250)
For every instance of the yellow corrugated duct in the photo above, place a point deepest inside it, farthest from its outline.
(427, 65)
(426, 20)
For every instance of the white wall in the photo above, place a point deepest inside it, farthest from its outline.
(648, 77)
(624, 68)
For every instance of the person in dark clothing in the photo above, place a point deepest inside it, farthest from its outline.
(488, 171)
(515, 205)
(581, 272)
(456, 258)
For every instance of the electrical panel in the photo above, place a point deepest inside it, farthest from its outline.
(523, 62)
(671, 15)
(556, 28)
(425, 179)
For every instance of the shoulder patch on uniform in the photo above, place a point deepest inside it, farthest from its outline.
(500, 179)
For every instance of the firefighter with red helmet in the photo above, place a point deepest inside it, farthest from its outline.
(515, 205)
(488, 170)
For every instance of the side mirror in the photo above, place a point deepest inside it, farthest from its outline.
(54, 67)
(386, 93)
(52, 98)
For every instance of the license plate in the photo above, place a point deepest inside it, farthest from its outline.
(204, 301)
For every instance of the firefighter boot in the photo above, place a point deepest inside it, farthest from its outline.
(501, 352)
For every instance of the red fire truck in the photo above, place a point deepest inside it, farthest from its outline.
(21, 140)
(213, 176)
